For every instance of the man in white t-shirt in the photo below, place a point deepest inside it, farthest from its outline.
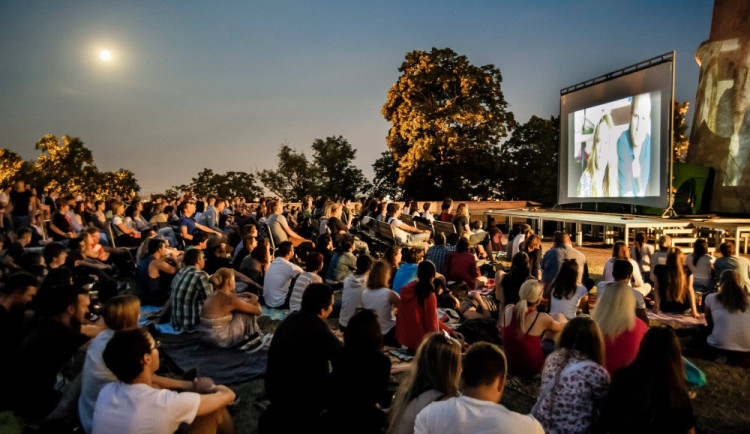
(279, 276)
(520, 238)
(404, 233)
(478, 410)
(133, 405)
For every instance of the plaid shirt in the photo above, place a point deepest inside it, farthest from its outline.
(437, 254)
(190, 288)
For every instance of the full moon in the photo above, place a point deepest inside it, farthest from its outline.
(105, 55)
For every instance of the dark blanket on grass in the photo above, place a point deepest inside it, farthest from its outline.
(224, 365)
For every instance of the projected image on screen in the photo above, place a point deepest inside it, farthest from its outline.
(614, 149)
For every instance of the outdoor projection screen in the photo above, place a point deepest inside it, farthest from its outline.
(615, 138)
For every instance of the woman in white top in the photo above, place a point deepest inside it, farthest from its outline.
(382, 300)
(663, 244)
(433, 376)
(567, 296)
(641, 252)
(620, 251)
(728, 315)
(701, 264)
(354, 287)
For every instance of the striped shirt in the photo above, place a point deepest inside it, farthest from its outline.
(190, 288)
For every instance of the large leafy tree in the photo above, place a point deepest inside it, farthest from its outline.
(531, 157)
(227, 185)
(293, 178)
(447, 116)
(386, 176)
(333, 159)
(13, 167)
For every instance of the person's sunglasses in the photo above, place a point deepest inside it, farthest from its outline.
(157, 345)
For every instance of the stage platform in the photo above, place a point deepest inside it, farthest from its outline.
(578, 219)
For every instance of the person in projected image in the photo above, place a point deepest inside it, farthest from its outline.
(634, 149)
(599, 177)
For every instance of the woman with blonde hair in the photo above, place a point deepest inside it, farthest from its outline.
(526, 330)
(673, 286)
(434, 376)
(228, 319)
(599, 178)
(462, 223)
(622, 330)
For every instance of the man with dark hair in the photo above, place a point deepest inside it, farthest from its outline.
(478, 410)
(210, 217)
(55, 255)
(438, 252)
(553, 259)
(190, 288)
(199, 241)
(133, 405)
(729, 261)
(622, 272)
(45, 351)
(297, 374)
(280, 230)
(15, 295)
(279, 276)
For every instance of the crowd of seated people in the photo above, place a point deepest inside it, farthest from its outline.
(209, 265)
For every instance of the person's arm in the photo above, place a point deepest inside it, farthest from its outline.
(290, 233)
(125, 229)
(657, 297)
(394, 298)
(551, 325)
(164, 266)
(709, 317)
(221, 397)
(206, 229)
(58, 231)
(406, 228)
(691, 293)
(637, 277)
(499, 294)
(240, 277)
(184, 233)
(253, 308)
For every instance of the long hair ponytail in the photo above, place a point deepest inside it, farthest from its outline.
(530, 293)
(425, 280)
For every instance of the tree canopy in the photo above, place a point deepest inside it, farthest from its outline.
(293, 178)
(447, 117)
(530, 159)
(333, 159)
(66, 165)
(227, 185)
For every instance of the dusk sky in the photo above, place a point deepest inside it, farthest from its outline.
(194, 84)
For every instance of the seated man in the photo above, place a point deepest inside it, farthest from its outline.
(133, 405)
(729, 261)
(190, 288)
(279, 276)
(404, 233)
(15, 295)
(478, 410)
(188, 225)
(44, 352)
(622, 271)
(210, 217)
(280, 230)
(297, 391)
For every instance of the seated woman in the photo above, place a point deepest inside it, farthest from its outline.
(154, 274)
(620, 251)
(382, 300)
(134, 218)
(358, 400)
(525, 329)
(673, 286)
(650, 394)
(728, 317)
(615, 314)
(343, 263)
(508, 284)
(461, 222)
(663, 244)
(257, 262)
(532, 246)
(701, 265)
(125, 236)
(407, 272)
(641, 252)
(567, 295)
(461, 265)
(417, 309)
(574, 382)
(228, 319)
(313, 265)
(433, 376)
(392, 256)
(496, 237)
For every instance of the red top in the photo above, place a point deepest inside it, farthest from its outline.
(523, 351)
(622, 349)
(461, 267)
(413, 320)
(445, 217)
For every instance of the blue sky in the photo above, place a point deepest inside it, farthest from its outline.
(196, 84)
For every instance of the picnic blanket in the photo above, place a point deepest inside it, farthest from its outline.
(223, 365)
(677, 320)
(273, 313)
